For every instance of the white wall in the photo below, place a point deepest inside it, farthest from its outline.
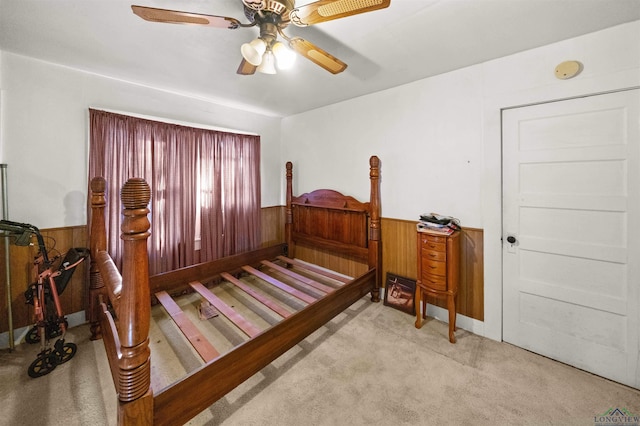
(1, 121)
(44, 129)
(439, 139)
(428, 135)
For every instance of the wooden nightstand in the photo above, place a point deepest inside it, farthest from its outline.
(438, 273)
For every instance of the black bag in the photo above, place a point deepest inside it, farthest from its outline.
(437, 219)
(73, 258)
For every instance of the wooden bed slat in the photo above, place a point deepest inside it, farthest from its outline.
(111, 279)
(259, 297)
(207, 385)
(301, 278)
(282, 286)
(204, 348)
(241, 322)
(315, 269)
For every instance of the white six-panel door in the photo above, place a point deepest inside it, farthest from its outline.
(571, 207)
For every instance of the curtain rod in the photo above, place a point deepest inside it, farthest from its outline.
(178, 122)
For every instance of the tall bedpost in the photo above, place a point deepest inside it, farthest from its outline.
(98, 242)
(135, 396)
(288, 222)
(375, 246)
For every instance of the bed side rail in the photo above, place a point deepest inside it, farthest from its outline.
(170, 281)
(111, 343)
(111, 279)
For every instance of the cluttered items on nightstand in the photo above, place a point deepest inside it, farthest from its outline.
(437, 223)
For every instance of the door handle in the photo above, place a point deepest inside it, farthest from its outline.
(513, 242)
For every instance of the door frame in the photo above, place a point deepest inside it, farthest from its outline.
(492, 172)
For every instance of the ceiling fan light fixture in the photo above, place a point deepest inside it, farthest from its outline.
(285, 57)
(272, 17)
(252, 52)
(268, 65)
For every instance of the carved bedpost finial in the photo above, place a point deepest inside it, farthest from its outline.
(135, 194)
(98, 242)
(135, 373)
(98, 184)
(374, 162)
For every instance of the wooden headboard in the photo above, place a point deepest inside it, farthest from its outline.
(331, 221)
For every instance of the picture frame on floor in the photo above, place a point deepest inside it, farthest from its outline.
(400, 293)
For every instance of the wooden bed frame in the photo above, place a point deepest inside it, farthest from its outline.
(120, 303)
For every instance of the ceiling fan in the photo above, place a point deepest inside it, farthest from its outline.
(272, 17)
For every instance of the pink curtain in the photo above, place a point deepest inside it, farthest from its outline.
(193, 173)
(233, 183)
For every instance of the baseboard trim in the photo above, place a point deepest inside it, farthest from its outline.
(466, 323)
(463, 322)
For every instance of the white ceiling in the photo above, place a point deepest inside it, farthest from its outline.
(410, 40)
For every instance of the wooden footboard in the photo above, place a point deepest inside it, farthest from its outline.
(127, 342)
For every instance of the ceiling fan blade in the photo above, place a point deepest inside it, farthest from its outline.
(176, 17)
(317, 55)
(327, 10)
(246, 68)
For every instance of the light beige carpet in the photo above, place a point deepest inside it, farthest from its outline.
(369, 366)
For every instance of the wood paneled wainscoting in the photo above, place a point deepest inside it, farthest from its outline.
(398, 256)
(58, 241)
(272, 225)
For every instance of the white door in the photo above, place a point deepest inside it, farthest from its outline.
(571, 206)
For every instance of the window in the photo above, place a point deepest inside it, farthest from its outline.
(205, 186)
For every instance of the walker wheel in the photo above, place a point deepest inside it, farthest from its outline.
(65, 353)
(32, 336)
(44, 364)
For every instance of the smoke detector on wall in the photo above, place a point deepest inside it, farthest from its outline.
(568, 69)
